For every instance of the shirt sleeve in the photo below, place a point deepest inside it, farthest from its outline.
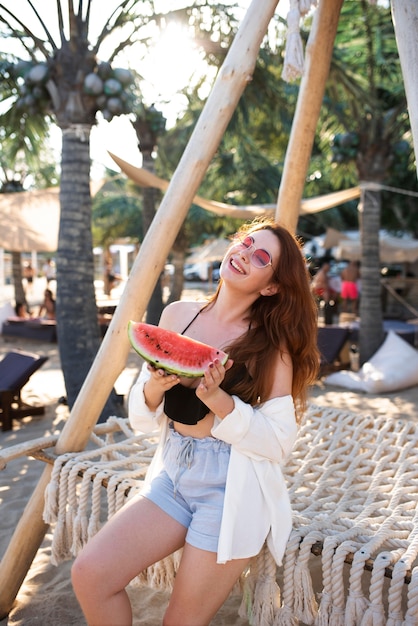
(265, 432)
(141, 417)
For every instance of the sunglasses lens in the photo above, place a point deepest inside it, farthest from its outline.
(261, 258)
(247, 242)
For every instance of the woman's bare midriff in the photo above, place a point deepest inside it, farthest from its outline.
(199, 431)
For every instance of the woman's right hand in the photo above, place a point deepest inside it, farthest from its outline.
(165, 380)
(159, 382)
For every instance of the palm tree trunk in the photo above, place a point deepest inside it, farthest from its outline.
(147, 140)
(77, 324)
(178, 257)
(371, 320)
(17, 277)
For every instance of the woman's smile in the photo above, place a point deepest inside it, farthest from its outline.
(236, 266)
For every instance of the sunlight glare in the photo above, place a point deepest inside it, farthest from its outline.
(171, 62)
(168, 67)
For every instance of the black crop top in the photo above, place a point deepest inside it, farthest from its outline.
(181, 403)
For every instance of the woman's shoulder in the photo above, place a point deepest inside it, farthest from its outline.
(178, 314)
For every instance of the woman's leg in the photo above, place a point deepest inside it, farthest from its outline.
(201, 587)
(139, 535)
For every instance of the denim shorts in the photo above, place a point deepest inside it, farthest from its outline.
(191, 486)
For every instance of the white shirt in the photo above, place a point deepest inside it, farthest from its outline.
(256, 504)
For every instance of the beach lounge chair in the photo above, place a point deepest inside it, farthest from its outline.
(16, 368)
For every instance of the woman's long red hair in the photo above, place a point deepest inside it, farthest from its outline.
(286, 321)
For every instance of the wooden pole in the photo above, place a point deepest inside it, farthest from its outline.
(405, 22)
(234, 75)
(317, 62)
(23, 546)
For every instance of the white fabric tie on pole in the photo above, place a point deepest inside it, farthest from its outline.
(294, 59)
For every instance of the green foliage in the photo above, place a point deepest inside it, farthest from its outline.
(364, 131)
(246, 168)
(151, 117)
(116, 212)
(365, 79)
(24, 155)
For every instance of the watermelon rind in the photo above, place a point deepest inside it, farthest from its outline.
(172, 352)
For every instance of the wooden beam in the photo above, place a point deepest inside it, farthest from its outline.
(317, 62)
(231, 81)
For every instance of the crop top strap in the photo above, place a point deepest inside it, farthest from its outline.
(192, 320)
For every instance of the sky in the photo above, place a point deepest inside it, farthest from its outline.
(170, 64)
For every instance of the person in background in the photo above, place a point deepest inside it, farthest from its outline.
(111, 279)
(325, 295)
(350, 276)
(29, 274)
(22, 310)
(215, 486)
(47, 308)
(320, 282)
(49, 271)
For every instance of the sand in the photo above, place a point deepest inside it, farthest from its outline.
(46, 597)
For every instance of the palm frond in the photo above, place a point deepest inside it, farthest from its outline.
(44, 26)
(37, 42)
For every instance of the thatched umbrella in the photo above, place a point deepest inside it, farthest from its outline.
(30, 219)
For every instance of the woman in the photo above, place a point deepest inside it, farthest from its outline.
(21, 310)
(47, 308)
(215, 486)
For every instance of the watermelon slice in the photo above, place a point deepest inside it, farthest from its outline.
(171, 351)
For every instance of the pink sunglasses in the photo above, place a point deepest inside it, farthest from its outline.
(259, 257)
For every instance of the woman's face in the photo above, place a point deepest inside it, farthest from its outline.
(251, 263)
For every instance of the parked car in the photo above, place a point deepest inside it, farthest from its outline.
(193, 273)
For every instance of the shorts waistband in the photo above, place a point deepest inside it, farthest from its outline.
(200, 442)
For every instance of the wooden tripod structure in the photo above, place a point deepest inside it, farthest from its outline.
(233, 77)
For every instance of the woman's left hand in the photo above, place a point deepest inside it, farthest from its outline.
(208, 389)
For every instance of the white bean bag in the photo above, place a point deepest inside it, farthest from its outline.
(394, 366)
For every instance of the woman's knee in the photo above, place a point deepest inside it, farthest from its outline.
(86, 573)
(79, 573)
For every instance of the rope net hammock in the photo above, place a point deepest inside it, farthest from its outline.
(353, 482)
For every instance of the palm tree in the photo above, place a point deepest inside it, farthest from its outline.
(365, 112)
(64, 80)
